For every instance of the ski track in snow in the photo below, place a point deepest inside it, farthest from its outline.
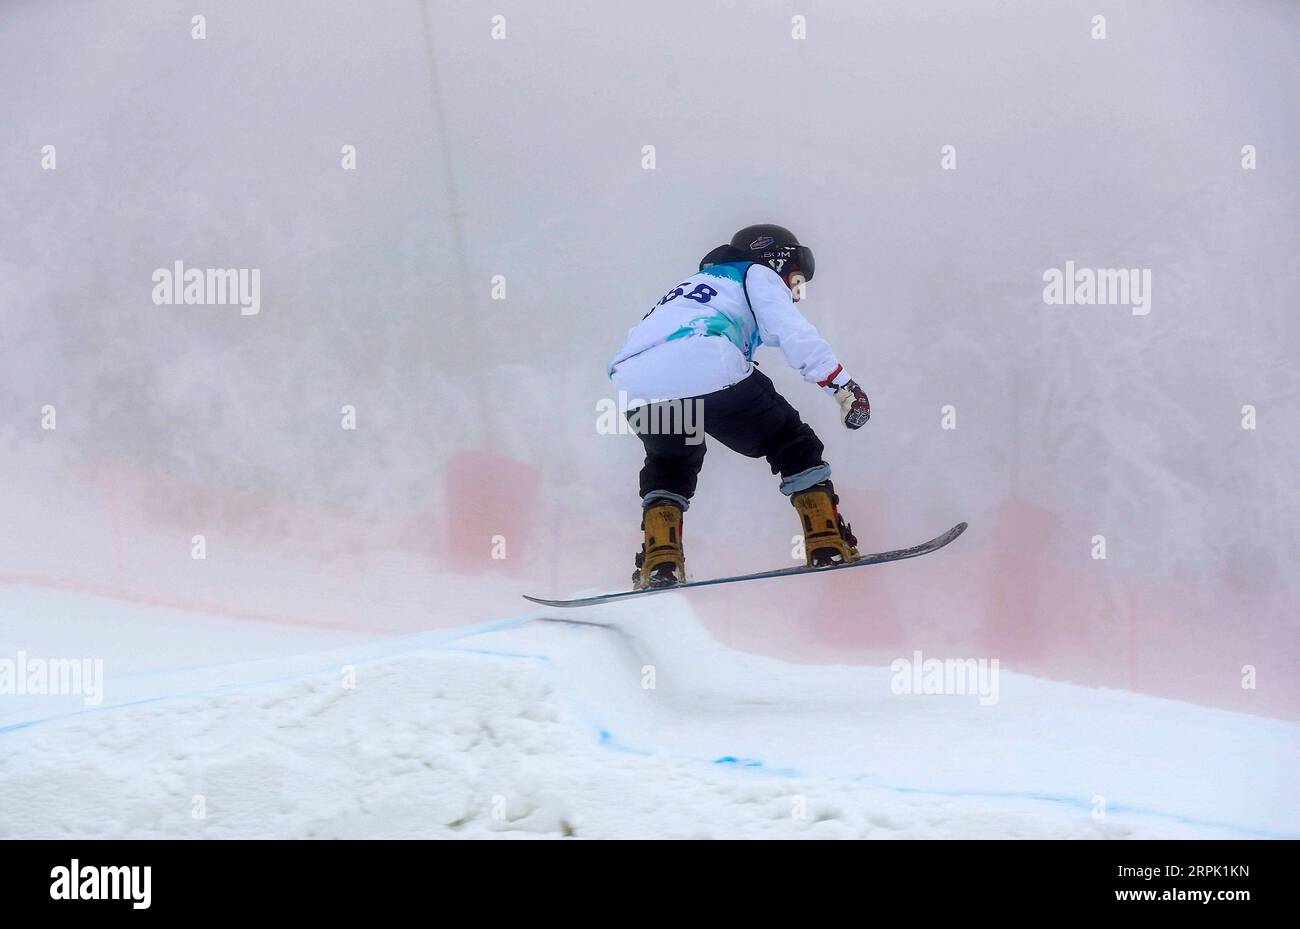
(526, 728)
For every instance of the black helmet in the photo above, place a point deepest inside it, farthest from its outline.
(776, 247)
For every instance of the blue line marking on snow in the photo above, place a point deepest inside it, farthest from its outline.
(440, 640)
(364, 654)
(757, 766)
(608, 740)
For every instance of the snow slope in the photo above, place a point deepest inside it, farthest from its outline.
(475, 415)
(535, 727)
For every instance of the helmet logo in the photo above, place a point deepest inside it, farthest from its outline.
(762, 241)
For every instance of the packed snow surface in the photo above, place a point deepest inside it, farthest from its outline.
(627, 721)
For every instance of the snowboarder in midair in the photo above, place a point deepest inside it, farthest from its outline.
(697, 345)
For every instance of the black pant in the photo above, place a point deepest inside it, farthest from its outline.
(749, 417)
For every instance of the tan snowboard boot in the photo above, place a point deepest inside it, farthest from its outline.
(827, 538)
(661, 562)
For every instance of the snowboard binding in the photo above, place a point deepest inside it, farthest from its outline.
(828, 540)
(661, 561)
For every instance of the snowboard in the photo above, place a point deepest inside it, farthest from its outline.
(924, 548)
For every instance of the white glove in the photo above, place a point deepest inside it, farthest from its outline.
(855, 408)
